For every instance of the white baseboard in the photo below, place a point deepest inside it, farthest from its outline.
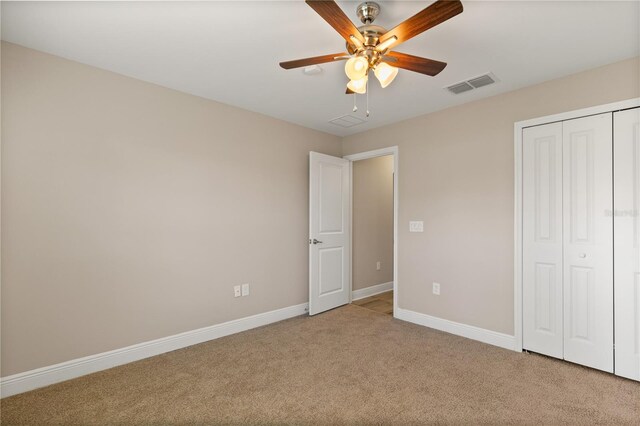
(45, 376)
(371, 291)
(470, 332)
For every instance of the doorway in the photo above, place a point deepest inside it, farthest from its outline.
(330, 233)
(373, 220)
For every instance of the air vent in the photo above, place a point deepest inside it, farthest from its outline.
(347, 121)
(483, 80)
(472, 83)
(460, 87)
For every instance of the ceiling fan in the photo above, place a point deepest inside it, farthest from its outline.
(369, 46)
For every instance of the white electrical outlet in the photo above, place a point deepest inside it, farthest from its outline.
(245, 289)
(378, 265)
(416, 226)
(236, 291)
(436, 289)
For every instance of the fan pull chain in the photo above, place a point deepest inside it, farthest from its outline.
(367, 89)
(355, 107)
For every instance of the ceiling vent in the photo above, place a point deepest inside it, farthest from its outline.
(347, 121)
(460, 88)
(472, 83)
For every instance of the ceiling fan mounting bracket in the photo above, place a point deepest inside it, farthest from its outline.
(368, 11)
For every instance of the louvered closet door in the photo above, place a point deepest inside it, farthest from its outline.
(542, 239)
(627, 242)
(588, 241)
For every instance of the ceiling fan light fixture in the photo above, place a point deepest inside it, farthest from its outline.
(356, 67)
(385, 73)
(358, 86)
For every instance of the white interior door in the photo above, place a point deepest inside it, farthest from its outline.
(588, 241)
(542, 239)
(627, 242)
(329, 222)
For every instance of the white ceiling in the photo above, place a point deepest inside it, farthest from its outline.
(229, 51)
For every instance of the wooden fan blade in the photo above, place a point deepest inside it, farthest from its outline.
(349, 92)
(331, 12)
(414, 63)
(429, 17)
(313, 61)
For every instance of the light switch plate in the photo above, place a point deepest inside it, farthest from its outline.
(436, 289)
(245, 289)
(416, 226)
(236, 291)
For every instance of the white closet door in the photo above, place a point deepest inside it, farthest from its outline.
(588, 241)
(627, 242)
(542, 239)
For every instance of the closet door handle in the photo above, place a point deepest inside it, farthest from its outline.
(582, 255)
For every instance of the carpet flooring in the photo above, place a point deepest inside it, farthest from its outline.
(346, 366)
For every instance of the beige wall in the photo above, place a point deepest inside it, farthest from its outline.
(129, 210)
(456, 172)
(372, 221)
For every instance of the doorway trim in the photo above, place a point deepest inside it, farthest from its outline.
(518, 128)
(393, 150)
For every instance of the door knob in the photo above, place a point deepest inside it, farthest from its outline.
(582, 255)
(316, 241)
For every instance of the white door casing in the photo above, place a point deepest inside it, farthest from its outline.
(627, 242)
(588, 241)
(329, 232)
(542, 239)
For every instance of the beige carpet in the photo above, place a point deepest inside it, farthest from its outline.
(349, 365)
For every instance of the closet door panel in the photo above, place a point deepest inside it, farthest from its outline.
(627, 242)
(588, 241)
(542, 239)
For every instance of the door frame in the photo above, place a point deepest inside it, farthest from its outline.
(393, 150)
(518, 127)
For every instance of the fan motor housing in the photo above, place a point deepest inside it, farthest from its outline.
(371, 34)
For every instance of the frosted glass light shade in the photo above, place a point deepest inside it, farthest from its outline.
(385, 73)
(356, 68)
(358, 86)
